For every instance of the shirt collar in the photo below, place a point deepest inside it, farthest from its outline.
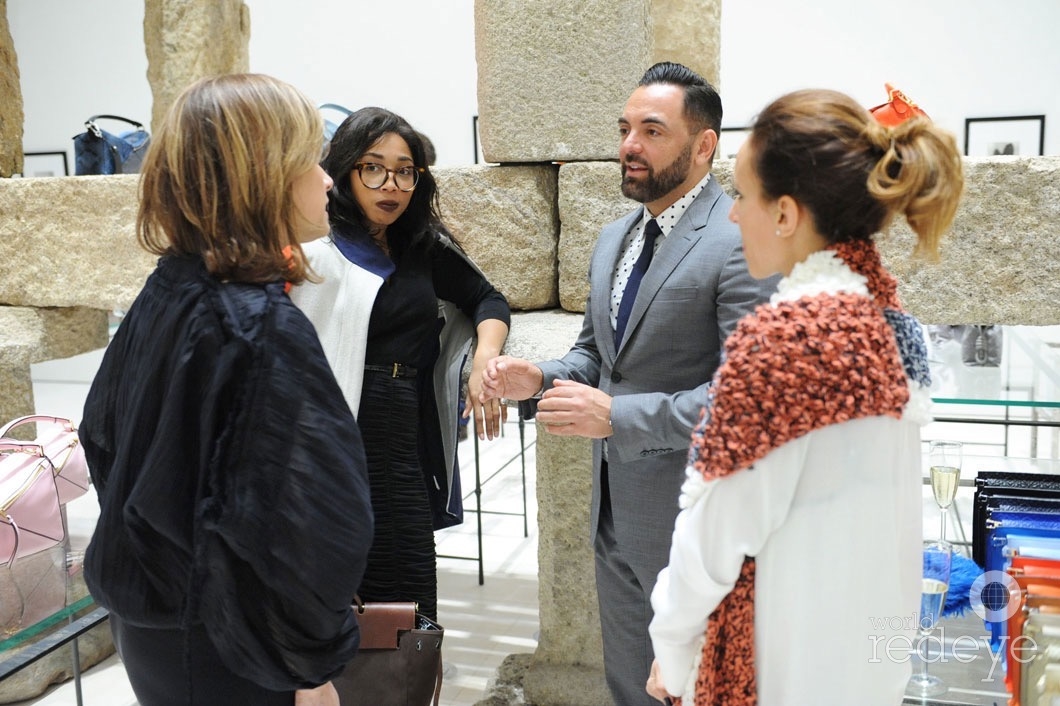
(670, 216)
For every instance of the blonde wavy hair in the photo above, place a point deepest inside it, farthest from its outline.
(216, 181)
(854, 175)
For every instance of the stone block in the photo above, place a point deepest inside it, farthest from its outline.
(590, 197)
(506, 219)
(553, 75)
(1000, 263)
(11, 110)
(36, 335)
(542, 335)
(17, 398)
(71, 242)
(689, 32)
(569, 615)
(566, 685)
(188, 40)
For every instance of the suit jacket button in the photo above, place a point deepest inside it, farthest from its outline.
(616, 376)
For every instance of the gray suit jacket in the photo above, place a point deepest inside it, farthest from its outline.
(690, 299)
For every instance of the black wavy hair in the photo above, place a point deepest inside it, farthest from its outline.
(355, 136)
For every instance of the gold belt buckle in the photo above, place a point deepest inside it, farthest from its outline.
(394, 373)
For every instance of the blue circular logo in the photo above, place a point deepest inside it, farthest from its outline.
(995, 596)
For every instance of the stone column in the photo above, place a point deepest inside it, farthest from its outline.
(553, 77)
(11, 112)
(189, 39)
(690, 34)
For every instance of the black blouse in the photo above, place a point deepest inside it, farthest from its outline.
(403, 327)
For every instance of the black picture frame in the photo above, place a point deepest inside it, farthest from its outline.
(729, 141)
(45, 164)
(1022, 135)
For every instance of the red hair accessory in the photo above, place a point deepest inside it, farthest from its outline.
(897, 109)
(288, 254)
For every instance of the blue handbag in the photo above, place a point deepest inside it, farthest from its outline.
(329, 126)
(97, 151)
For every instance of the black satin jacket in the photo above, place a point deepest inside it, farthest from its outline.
(231, 478)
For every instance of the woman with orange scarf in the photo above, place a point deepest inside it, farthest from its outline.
(794, 575)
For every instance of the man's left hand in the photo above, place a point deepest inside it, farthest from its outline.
(570, 408)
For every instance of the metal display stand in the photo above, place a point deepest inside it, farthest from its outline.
(477, 493)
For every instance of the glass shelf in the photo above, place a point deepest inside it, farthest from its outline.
(1028, 376)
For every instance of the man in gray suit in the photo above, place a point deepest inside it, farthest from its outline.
(637, 377)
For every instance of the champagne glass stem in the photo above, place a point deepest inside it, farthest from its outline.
(943, 516)
(923, 652)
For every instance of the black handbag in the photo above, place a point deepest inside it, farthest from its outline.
(97, 151)
(399, 662)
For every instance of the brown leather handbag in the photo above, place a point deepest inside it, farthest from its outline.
(399, 662)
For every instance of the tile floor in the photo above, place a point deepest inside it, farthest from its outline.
(483, 623)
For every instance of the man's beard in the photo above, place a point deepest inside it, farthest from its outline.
(655, 186)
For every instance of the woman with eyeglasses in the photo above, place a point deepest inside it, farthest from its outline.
(396, 305)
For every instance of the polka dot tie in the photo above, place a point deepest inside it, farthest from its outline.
(629, 295)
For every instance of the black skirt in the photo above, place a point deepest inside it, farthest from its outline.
(402, 560)
(182, 668)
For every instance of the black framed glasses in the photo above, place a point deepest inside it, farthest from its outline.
(374, 175)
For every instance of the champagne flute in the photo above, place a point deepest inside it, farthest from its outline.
(938, 557)
(944, 460)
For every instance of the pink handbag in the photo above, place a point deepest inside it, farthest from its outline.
(30, 515)
(63, 448)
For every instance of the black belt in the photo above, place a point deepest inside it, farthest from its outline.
(395, 370)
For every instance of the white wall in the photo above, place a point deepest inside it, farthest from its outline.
(957, 58)
(82, 57)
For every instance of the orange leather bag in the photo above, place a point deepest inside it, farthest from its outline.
(897, 109)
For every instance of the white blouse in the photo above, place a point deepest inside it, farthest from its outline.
(834, 521)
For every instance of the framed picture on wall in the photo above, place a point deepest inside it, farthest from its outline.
(1022, 135)
(729, 141)
(44, 164)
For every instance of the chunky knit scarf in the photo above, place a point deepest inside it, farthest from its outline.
(833, 345)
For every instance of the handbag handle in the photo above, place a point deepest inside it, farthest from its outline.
(336, 107)
(11, 446)
(33, 419)
(90, 124)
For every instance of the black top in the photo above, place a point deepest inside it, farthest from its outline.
(403, 327)
(231, 478)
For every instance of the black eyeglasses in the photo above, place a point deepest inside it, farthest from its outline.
(374, 175)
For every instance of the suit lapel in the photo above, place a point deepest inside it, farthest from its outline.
(688, 231)
(610, 250)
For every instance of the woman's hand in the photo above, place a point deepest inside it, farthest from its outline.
(655, 686)
(489, 410)
(323, 695)
(489, 413)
